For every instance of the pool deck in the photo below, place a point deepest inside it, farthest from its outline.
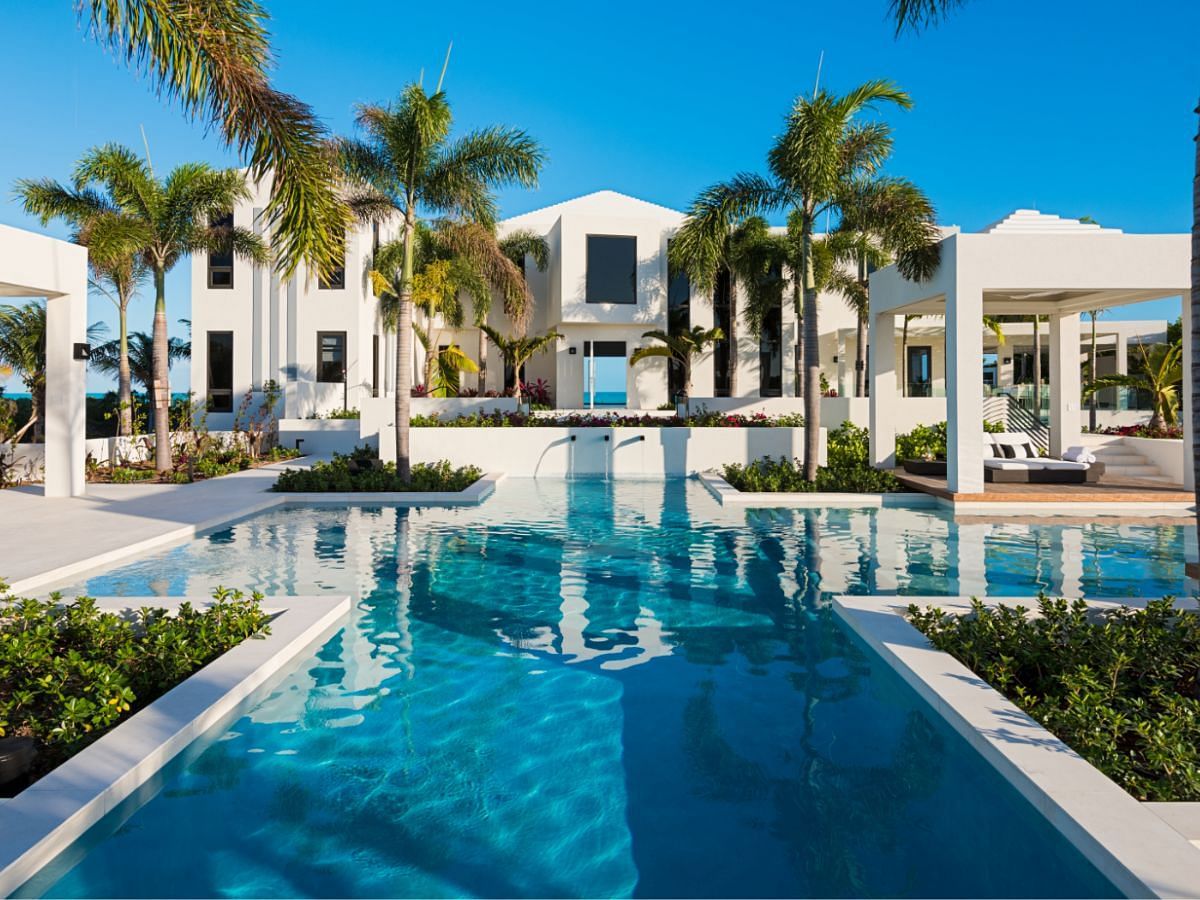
(48, 540)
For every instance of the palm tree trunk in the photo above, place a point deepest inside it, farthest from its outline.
(124, 385)
(798, 361)
(404, 354)
(37, 403)
(162, 383)
(812, 355)
(519, 376)
(1194, 424)
(482, 363)
(1037, 367)
(1092, 379)
(860, 335)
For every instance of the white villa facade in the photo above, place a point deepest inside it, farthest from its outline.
(607, 283)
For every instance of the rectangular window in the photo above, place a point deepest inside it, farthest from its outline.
(920, 372)
(770, 353)
(336, 279)
(220, 265)
(723, 361)
(220, 371)
(611, 269)
(331, 357)
(374, 238)
(374, 365)
(679, 318)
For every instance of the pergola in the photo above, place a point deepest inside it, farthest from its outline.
(33, 265)
(1026, 264)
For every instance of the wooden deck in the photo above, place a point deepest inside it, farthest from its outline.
(1106, 490)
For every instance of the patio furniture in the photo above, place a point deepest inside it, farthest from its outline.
(925, 466)
(1011, 458)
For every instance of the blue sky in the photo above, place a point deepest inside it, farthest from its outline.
(1071, 106)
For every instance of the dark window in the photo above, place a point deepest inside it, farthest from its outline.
(374, 238)
(611, 269)
(220, 371)
(770, 354)
(374, 365)
(722, 313)
(679, 318)
(919, 372)
(336, 279)
(331, 356)
(220, 264)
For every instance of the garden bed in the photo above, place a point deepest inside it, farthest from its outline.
(213, 464)
(362, 471)
(608, 420)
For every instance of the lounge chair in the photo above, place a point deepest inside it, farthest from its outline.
(1011, 458)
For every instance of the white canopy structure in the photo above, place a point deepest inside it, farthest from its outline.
(33, 265)
(1028, 263)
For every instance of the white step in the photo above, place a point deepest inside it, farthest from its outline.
(1144, 471)
(1120, 458)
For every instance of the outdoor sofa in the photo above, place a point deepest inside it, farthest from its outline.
(1011, 458)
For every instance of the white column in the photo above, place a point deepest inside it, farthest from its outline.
(844, 389)
(66, 392)
(881, 368)
(700, 311)
(964, 390)
(1122, 353)
(1189, 471)
(259, 331)
(787, 343)
(1065, 421)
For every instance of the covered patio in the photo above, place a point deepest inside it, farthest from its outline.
(32, 266)
(1027, 264)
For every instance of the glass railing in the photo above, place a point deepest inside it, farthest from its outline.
(1110, 399)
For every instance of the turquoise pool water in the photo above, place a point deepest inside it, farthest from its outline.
(585, 689)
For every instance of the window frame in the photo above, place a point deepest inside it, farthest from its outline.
(587, 261)
(209, 392)
(320, 366)
(223, 268)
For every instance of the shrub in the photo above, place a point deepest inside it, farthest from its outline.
(69, 672)
(701, 419)
(1167, 432)
(131, 474)
(784, 475)
(1122, 689)
(923, 442)
(361, 470)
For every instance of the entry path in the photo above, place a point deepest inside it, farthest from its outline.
(45, 540)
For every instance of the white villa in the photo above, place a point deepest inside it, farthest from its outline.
(607, 282)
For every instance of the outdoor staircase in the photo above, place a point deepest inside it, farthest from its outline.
(1005, 409)
(1121, 461)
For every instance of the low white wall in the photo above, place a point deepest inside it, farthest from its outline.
(908, 412)
(380, 412)
(320, 436)
(1166, 454)
(748, 406)
(630, 452)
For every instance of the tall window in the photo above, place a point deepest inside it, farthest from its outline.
(336, 279)
(920, 371)
(770, 354)
(220, 371)
(722, 351)
(611, 269)
(331, 356)
(374, 365)
(679, 318)
(220, 265)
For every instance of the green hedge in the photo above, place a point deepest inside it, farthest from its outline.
(361, 470)
(1121, 689)
(69, 672)
(848, 469)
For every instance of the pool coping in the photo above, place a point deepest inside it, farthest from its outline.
(727, 495)
(1129, 842)
(258, 502)
(43, 820)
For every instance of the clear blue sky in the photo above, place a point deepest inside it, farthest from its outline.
(1071, 106)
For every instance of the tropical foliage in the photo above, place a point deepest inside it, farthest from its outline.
(516, 350)
(106, 358)
(121, 209)
(822, 151)
(1160, 374)
(848, 469)
(407, 162)
(679, 347)
(362, 470)
(1119, 688)
(699, 419)
(69, 672)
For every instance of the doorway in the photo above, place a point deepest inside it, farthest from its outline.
(605, 370)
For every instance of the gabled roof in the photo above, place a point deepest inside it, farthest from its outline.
(1032, 221)
(602, 203)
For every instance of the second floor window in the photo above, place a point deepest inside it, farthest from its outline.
(220, 265)
(335, 279)
(611, 269)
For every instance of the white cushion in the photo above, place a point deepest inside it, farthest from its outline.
(1014, 465)
(1063, 464)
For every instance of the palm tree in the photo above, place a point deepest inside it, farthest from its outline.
(118, 279)
(408, 163)
(139, 357)
(23, 353)
(159, 220)
(214, 58)
(516, 247)
(822, 151)
(679, 347)
(516, 350)
(883, 219)
(1160, 374)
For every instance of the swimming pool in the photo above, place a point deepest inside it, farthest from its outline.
(589, 688)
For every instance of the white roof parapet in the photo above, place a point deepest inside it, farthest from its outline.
(1032, 221)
